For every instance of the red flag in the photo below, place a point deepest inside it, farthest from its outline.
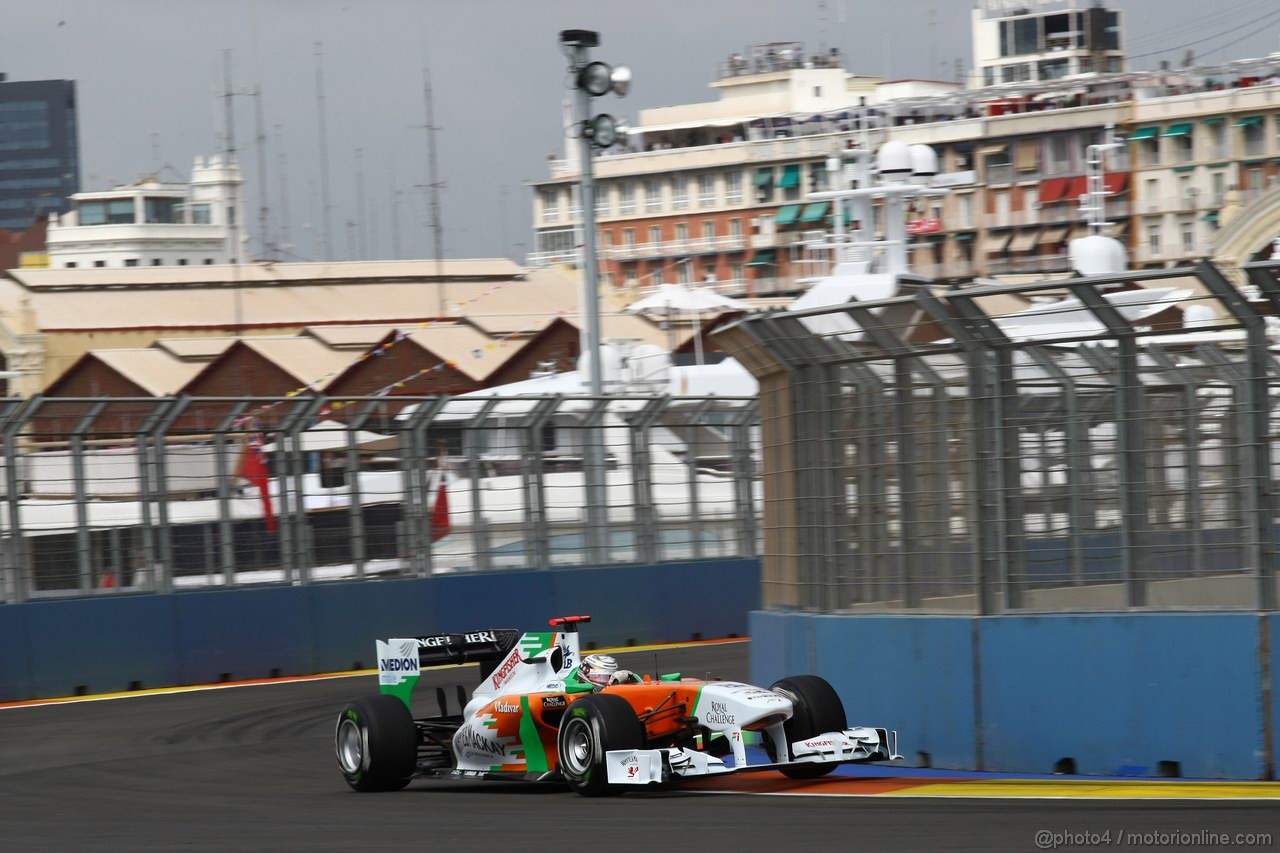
(253, 467)
(107, 580)
(440, 513)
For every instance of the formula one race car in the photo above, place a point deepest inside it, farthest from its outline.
(535, 717)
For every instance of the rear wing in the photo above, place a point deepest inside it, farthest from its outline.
(499, 651)
(400, 660)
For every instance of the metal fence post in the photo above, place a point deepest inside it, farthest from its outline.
(646, 518)
(222, 470)
(537, 537)
(473, 432)
(1132, 450)
(16, 416)
(355, 506)
(418, 507)
(84, 562)
(158, 450)
(1191, 455)
(1077, 461)
(744, 475)
(984, 506)
(293, 499)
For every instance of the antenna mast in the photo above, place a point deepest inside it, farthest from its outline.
(268, 245)
(434, 185)
(325, 207)
(286, 238)
(229, 156)
(362, 245)
(395, 216)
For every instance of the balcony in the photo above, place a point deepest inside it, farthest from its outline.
(675, 248)
(543, 259)
(1036, 264)
(1002, 174)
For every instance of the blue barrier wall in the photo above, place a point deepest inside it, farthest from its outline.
(115, 642)
(1117, 693)
(1120, 693)
(867, 658)
(1273, 638)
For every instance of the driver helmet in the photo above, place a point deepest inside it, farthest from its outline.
(598, 669)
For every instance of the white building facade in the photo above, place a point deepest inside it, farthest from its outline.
(151, 223)
(1021, 41)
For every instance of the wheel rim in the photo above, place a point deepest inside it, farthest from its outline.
(350, 746)
(577, 747)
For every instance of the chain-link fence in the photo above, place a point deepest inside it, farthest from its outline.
(109, 495)
(1102, 442)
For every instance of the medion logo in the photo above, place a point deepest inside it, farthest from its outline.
(398, 665)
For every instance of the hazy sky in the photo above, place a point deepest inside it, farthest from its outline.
(147, 73)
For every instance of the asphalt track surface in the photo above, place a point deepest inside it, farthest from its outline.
(252, 768)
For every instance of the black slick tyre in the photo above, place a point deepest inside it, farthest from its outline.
(592, 726)
(376, 744)
(818, 710)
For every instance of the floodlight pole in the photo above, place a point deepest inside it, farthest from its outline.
(579, 42)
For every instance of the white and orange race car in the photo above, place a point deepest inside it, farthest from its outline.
(534, 718)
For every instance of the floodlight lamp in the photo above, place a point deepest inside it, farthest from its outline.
(620, 78)
(595, 78)
(601, 130)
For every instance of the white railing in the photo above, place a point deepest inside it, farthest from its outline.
(727, 243)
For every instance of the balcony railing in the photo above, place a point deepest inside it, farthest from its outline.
(1002, 174)
(1037, 264)
(671, 248)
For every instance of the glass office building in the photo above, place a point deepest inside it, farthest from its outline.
(39, 150)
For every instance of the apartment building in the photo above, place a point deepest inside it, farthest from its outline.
(716, 192)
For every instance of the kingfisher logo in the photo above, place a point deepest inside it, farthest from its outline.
(398, 664)
(504, 672)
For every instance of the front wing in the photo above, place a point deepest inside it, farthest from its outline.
(652, 766)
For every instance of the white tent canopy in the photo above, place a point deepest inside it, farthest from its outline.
(332, 435)
(672, 299)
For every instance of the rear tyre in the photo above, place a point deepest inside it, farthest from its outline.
(376, 744)
(817, 710)
(592, 726)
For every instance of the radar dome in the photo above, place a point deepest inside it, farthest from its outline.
(894, 160)
(1098, 255)
(924, 161)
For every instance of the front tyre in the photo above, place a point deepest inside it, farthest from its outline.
(817, 710)
(592, 726)
(376, 743)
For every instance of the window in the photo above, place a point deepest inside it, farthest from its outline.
(182, 262)
(680, 193)
(1184, 148)
(231, 215)
(164, 211)
(627, 197)
(818, 177)
(1030, 199)
(1188, 237)
(70, 265)
(1218, 140)
(1254, 136)
(156, 262)
(202, 214)
(604, 201)
(1060, 154)
(1152, 194)
(208, 262)
(652, 195)
(735, 227)
(1002, 202)
(655, 234)
(1219, 187)
(733, 188)
(629, 237)
(709, 232)
(550, 205)
(99, 263)
(735, 271)
(707, 190)
(684, 272)
(682, 233)
(1150, 148)
(130, 262)
(964, 210)
(92, 212)
(1153, 239)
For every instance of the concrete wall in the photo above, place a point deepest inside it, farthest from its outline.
(121, 642)
(1116, 693)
